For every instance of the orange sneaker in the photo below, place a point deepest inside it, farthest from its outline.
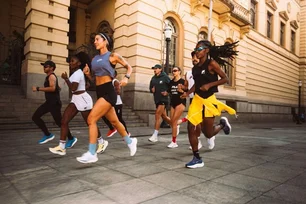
(110, 133)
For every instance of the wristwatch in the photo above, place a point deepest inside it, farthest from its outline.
(127, 76)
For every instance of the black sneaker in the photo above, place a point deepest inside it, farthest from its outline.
(226, 126)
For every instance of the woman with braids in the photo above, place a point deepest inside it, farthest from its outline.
(103, 68)
(205, 75)
(81, 102)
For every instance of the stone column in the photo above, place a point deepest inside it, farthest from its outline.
(46, 28)
(138, 38)
(302, 42)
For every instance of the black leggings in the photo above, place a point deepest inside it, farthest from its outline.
(118, 109)
(55, 110)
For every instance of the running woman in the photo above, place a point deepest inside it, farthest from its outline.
(52, 104)
(81, 102)
(177, 104)
(205, 75)
(103, 67)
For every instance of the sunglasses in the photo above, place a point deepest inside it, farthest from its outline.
(199, 49)
(175, 70)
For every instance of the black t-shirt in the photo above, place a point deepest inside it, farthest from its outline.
(173, 90)
(201, 76)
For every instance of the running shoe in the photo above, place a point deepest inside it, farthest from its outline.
(172, 145)
(211, 142)
(58, 150)
(101, 147)
(195, 163)
(184, 120)
(153, 138)
(46, 139)
(133, 147)
(70, 143)
(110, 133)
(226, 126)
(88, 158)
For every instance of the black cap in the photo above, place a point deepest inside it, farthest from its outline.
(49, 63)
(157, 66)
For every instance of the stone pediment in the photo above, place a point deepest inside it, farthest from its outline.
(271, 4)
(294, 24)
(284, 15)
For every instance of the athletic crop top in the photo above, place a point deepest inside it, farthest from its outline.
(78, 77)
(101, 65)
(201, 76)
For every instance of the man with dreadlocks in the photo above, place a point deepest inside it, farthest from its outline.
(205, 75)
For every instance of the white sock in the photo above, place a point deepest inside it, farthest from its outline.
(62, 144)
(155, 132)
(100, 140)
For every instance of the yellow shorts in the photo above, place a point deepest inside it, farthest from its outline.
(213, 108)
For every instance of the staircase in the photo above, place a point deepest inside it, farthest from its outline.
(16, 112)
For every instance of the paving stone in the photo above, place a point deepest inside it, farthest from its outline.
(246, 182)
(298, 181)
(134, 191)
(288, 193)
(174, 198)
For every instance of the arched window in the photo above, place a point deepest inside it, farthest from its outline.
(202, 36)
(173, 45)
(230, 70)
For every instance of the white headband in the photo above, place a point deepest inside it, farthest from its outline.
(102, 35)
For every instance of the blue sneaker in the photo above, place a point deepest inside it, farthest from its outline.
(195, 163)
(46, 139)
(70, 143)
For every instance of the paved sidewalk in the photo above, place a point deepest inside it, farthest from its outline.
(257, 163)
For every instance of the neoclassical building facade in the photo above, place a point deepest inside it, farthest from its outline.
(264, 79)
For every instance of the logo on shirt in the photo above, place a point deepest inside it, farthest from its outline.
(98, 60)
(160, 82)
(203, 72)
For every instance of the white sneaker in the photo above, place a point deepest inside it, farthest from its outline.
(88, 158)
(172, 145)
(211, 142)
(178, 130)
(58, 150)
(199, 145)
(153, 138)
(102, 146)
(133, 146)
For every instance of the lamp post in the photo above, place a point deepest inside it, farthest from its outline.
(299, 105)
(168, 34)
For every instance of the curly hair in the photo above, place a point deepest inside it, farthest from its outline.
(218, 53)
(84, 59)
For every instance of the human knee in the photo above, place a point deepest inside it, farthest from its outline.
(91, 120)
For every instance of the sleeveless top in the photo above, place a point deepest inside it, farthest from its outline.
(101, 65)
(52, 96)
(119, 101)
(201, 76)
(190, 80)
(174, 93)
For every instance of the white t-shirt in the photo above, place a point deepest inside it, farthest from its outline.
(78, 77)
(190, 80)
(119, 101)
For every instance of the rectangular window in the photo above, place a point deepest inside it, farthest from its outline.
(269, 24)
(282, 34)
(253, 12)
(72, 25)
(292, 41)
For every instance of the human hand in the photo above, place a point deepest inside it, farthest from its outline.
(64, 76)
(153, 89)
(34, 89)
(205, 87)
(124, 81)
(184, 95)
(180, 88)
(86, 70)
(164, 93)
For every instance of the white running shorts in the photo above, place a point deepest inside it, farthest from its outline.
(82, 101)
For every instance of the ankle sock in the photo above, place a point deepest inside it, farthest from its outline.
(100, 140)
(127, 139)
(62, 144)
(155, 132)
(92, 148)
(196, 154)
(174, 139)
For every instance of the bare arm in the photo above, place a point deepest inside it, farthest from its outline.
(116, 58)
(117, 87)
(51, 88)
